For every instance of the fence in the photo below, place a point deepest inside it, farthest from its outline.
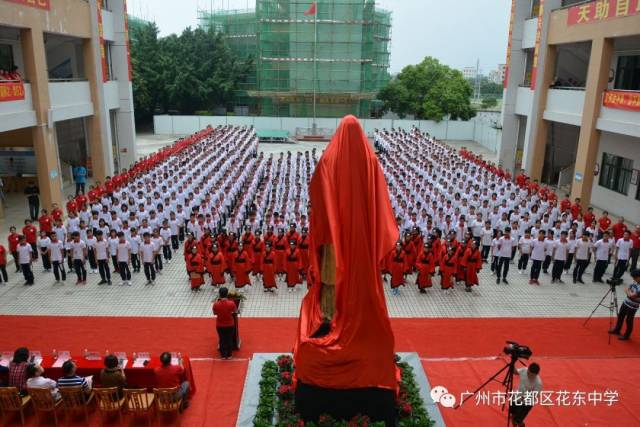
(480, 129)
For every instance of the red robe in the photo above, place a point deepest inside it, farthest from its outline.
(242, 263)
(303, 247)
(280, 246)
(247, 242)
(258, 254)
(230, 254)
(426, 266)
(195, 266)
(292, 267)
(472, 261)
(448, 265)
(398, 268)
(216, 266)
(268, 270)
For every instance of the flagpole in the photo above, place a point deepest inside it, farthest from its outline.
(315, 47)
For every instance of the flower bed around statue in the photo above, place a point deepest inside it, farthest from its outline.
(276, 404)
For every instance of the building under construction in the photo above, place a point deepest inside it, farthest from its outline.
(338, 56)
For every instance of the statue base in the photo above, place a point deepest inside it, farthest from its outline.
(376, 403)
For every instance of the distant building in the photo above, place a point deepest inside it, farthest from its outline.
(469, 72)
(497, 76)
(343, 70)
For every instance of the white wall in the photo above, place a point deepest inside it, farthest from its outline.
(616, 203)
(480, 129)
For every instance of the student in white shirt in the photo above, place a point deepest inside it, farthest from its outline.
(135, 242)
(549, 244)
(113, 247)
(623, 251)
(485, 240)
(43, 247)
(55, 253)
(123, 255)
(166, 235)
(157, 245)
(538, 255)
(79, 254)
(505, 250)
(572, 249)
(560, 254)
(25, 258)
(174, 225)
(583, 251)
(148, 256)
(494, 252)
(90, 240)
(102, 258)
(602, 249)
(524, 246)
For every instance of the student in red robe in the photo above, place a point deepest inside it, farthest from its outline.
(426, 266)
(472, 261)
(280, 246)
(258, 253)
(216, 266)
(398, 268)
(242, 263)
(231, 252)
(448, 265)
(292, 234)
(303, 247)
(247, 241)
(195, 267)
(292, 265)
(268, 269)
(410, 253)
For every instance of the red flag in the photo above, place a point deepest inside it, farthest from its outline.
(312, 10)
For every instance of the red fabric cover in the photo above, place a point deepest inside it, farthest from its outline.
(350, 209)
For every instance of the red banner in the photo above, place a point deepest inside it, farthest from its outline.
(536, 51)
(506, 68)
(11, 91)
(623, 100)
(600, 10)
(40, 4)
(126, 40)
(103, 52)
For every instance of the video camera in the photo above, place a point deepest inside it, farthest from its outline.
(615, 282)
(517, 351)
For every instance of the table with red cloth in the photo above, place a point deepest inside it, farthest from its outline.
(143, 377)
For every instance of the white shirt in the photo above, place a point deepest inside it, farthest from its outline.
(135, 243)
(526, 385)
(165, 233)
(24, 253)
(525, 245)
(56, 249)
(78, 249)
(582, 249)
(561, 250)
(487, 237)
(505, 246)
(538, 250)
(148, 252)
(624, 248)
(102, 250)
(603, 249)
(122, 251)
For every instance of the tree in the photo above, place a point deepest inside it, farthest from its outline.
(428, 90)
(489, 102)
(186, 73)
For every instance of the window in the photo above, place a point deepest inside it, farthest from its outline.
(6, 57)
(615, 173)
(528, 67)
(535, 8)
(628, 73)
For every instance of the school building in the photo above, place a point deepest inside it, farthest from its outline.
(571, 112)
(73, 102)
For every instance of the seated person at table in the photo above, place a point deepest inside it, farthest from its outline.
(70, 379)
(4, 372)
(113, 375)
(36, 380)
(170, 376)
(18, 370)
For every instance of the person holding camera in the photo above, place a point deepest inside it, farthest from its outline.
(629, 308)
(528, 390)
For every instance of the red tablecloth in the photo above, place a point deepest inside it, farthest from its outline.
(136, 377)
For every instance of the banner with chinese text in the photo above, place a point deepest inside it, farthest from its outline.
(600, 10)
(506, 68)
(126, 40)
(536, 51)
(40, 4)
(103, 53)
(623, 100)
(11, 91)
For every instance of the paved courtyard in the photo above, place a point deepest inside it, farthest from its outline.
(171, 296)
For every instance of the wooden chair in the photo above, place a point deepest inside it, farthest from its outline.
(74, 399)
(139, 402)
(11, 401)
(43, 401)
(166, 402)
(109, 402)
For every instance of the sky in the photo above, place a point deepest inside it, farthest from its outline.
(457, 33)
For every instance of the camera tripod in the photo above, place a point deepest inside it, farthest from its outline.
(509, 371)
(612, 306)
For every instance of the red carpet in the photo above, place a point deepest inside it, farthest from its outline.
(572, 357)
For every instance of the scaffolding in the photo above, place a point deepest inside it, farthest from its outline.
(340, 56)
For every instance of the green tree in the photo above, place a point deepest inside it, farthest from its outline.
(489, 102)
(428, 90)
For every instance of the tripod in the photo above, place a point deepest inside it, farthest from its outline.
(507, 382)
(612, 306)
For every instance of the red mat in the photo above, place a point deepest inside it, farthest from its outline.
(220, 382)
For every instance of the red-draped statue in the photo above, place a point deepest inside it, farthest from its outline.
(344, 353)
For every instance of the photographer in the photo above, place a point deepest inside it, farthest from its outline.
(528, 390)
(629, 307)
